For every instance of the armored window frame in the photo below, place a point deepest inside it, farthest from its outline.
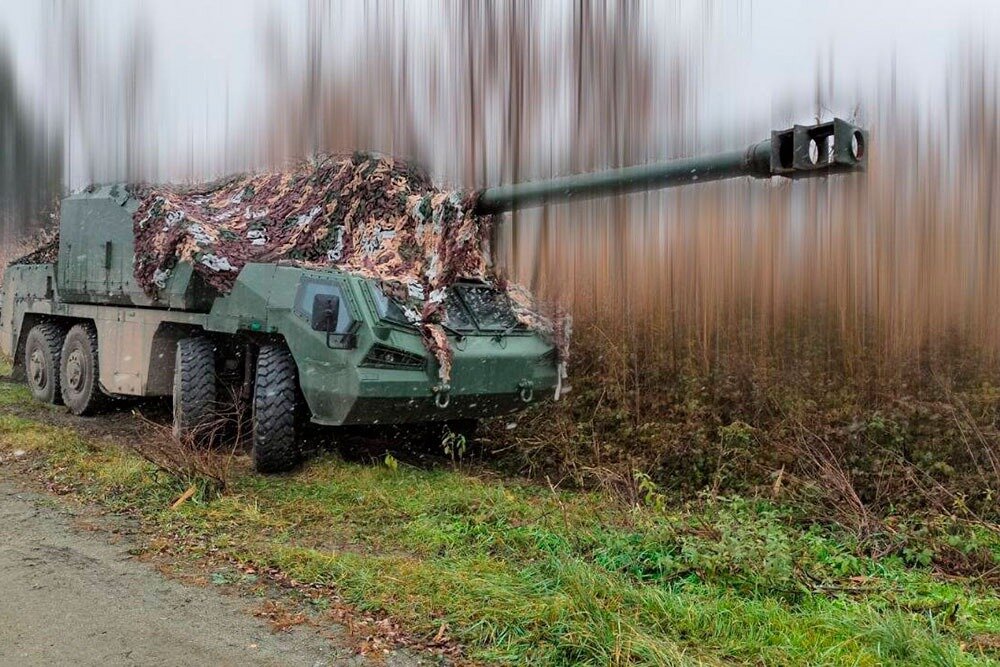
(306, 292)
(459, 317)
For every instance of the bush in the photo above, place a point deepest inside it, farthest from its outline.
(854, 444)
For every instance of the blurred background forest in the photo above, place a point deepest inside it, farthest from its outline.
(835, 337)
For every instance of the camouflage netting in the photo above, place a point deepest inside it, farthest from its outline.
(366, 214)
(45, 252)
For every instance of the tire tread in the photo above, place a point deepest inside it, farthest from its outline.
(197, 382)
(52, 337)
(97, 400)
(276, 407)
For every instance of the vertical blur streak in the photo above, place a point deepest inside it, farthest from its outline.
(30, 162)
(862, 272)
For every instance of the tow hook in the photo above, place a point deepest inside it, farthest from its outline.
(442, 395)
(526, 390)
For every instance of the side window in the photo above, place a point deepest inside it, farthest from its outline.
(309, 288)
(386, 308)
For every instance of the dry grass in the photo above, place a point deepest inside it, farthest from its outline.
(205, 457)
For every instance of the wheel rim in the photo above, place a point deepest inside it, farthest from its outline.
(36, 369)
(74, 370)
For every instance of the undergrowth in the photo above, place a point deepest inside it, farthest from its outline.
(524, 574)
(889, 454)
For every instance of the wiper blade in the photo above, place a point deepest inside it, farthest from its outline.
(459, 336)
(506, 332)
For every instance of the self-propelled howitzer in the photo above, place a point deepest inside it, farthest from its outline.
(802, 151)
(303, 341)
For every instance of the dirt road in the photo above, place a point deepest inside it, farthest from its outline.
(72, 596)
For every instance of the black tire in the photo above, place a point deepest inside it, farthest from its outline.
(78, 371)
(42, 351)
(195, 390)
(275, 411)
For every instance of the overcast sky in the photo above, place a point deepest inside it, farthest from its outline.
(759, 58)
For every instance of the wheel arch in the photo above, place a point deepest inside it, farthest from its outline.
(163, 354)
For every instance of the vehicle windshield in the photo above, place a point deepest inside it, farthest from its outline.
(490, 307)
(468, 306)
(458, 317)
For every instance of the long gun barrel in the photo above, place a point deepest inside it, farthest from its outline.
(802, 151)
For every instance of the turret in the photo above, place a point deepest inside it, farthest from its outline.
(803, 151)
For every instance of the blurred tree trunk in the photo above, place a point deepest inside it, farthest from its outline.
(30, 163)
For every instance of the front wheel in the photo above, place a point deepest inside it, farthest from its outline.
(194, 386)
(275, 411)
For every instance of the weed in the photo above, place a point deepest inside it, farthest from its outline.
(649, 491)
(454, 444)
(856, 447)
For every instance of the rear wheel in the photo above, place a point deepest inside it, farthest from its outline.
(275, 411)
(78, 377)
(194, 385)
(42, 351)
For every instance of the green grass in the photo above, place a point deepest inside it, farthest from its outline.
(522, 575)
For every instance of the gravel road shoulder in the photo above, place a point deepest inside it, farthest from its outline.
(73, 596)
